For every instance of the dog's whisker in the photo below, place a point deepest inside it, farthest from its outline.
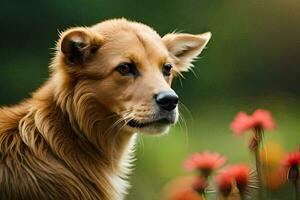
(181, 105)
(182, 120)
(141, 142)
(116, 123)
(113, 126)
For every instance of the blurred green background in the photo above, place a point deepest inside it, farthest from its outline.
(252, 61)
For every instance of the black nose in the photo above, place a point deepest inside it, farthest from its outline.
(167, 100)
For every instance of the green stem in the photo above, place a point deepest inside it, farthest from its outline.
(295, 183)
(259, 135)
(242, 196)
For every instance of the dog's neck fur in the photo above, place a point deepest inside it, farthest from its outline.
(73, 128)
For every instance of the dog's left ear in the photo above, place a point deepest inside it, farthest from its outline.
(185, 47)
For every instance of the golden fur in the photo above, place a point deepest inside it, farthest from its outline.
(70, 139)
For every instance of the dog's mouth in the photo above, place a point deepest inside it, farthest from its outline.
(136, 124)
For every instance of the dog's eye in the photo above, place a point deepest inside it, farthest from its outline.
(167, 69)
(127, 69)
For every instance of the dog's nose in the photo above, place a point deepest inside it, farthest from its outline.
(167, 100)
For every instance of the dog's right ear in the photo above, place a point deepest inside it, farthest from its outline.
(78, 45)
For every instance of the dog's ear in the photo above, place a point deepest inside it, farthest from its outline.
(78, 45)
(185, 47)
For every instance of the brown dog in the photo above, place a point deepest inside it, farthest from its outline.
(73, 138)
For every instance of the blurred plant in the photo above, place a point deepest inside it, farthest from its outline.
(200, 184)
(258, 122)
(271, 155)
(241, 174)
(184, 188)
(186, 195)
(238, 181)
(235, 177)
(291, 163)
(260, 119)
(204, 162)
(224, 183)
(253, 143)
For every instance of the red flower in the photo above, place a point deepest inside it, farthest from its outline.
(263, 119)
(240, 174)
(241, 123)
(205, 162)
(259, 119)
(224, 182)
(292, 162)
(292, 159)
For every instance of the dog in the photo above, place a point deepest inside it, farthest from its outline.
(74, 137)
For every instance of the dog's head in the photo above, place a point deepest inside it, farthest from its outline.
(130, 69)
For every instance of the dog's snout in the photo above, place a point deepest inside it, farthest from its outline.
(167, 100)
